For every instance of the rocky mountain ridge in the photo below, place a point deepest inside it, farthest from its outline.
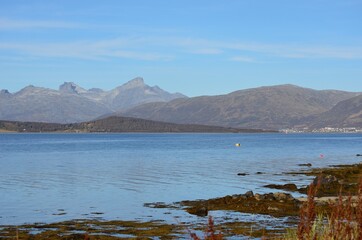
(270, 107)
(72, 103)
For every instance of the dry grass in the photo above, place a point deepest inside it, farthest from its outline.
(307, 215)
(210, 232)
(343, 223)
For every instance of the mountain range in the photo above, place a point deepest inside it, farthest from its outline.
(72, 103)
(272, 107)
(347, 113)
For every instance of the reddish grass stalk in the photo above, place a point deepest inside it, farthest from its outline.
(359, 209)
(210, 233)
(194, 236)
(307, 214)
(345, 221)
(341, 219)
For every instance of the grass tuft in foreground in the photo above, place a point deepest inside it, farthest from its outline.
(344, 222)
(210, 232)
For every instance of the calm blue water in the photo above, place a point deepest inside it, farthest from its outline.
(55, 177)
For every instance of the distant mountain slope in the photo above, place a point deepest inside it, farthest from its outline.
(130, 94)
(73, 103)
(136, 92)
(273, 107)
(46, 105)
(115, 124)
(346, 113)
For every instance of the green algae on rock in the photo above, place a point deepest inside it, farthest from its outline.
(287, 187)
(335, 180)
(93, 230)
(274, 204)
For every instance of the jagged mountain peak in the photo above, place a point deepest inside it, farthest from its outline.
(70, 87)
(72, 103)
(4, 91)
(136, 92)
(134, 83)
(28, 88)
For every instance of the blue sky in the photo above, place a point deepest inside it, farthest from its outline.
(196, 47)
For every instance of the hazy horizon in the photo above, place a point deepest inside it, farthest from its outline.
(145, 81)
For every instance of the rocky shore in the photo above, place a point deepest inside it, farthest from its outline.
(331, 182)
(277, 204)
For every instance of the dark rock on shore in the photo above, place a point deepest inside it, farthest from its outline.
(325, 180)
(201, 211)
(279, 196)
(243, 174)
(305, 165)
(286, 187)
(340, 179)
(161, 205)
(249, 194)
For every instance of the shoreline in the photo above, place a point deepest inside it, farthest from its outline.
(120, 124)
(277, 204)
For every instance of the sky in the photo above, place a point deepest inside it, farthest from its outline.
(196, 47)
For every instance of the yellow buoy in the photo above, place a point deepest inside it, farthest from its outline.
(237, 144)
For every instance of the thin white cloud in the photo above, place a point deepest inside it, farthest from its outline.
(11, 24)
(242, 59)
(167, 48)
(102, 50)
(283, 50)
(139, 56)
(299, 51)
(207, 51)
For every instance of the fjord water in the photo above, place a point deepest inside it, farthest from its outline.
(54, 177)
